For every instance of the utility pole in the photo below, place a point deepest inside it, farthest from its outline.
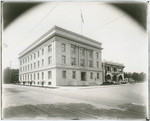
(10, 73)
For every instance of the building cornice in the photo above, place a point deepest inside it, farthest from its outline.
(57, 31)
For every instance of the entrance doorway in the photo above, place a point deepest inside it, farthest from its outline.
(83, 76)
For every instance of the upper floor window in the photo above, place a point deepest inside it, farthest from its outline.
(34, 56)
(50, 48)
(28, 67)
(82, 62)
(63, 47)
(73, 61)
(42, 75)
(28, 59)
(34, 76)
(97, 56)
(50, 60)
(38, 53)
(63, 59)
(31, 66)
(108, 68)
(31, 76)
(97, 64)
(38, 76)
(73, 48)
(42, 62)
(34, 64)
(82, 52)
(90, 54)
(49, 74)
(38, 63)
(114, 69)
(97, 75)
(20, 63)
(31, 57)
(42, 51)
(63, 74)
(91, 76)
(90, 63)
(73, 74)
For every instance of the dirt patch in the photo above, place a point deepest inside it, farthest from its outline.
(74, 111)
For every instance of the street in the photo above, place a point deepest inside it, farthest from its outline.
(126, 101)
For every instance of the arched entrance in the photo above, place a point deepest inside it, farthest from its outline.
(107, 77)
(120, 78)
(115, 78)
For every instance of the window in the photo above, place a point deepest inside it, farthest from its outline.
(34, 76)
(50, 48)
(63, 47)
(73, 48)
(20, 78)
(31, 57)
(73, 74)
(97, 64)
(97, 55)
(90, 54)
(81, 62)
(38, 76)
(91, 75)
(73, 61)
(49, 74)
(20, 63)
(82, 52)
(28, 67)
(28, 76)
(38, 53)
(25, 59)
(42, 51)
(90, 63)
(108, 68)
(28, 59)
(63, 59)
(25, 68)
(20, 69)
(115, 69)
(97, 75)
(34, 64)
(31, 66)
(49, 83)
(34, 56)
(42, 62)
(63, 74)
(25, 77)
(31, 76)
(50, 60)
(42, 75)
(38, 63)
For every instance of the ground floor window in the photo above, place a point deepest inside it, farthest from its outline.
(73, 74)
(49, 83)
(91, 75)
(63, 74)
(49, 74)
(97, 75)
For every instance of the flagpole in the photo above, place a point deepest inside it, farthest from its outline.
(81, 20)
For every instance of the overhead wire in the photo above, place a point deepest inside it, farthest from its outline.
(38, 24)
(107, 23)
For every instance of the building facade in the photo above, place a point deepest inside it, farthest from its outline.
(112, 72)
(61, 57)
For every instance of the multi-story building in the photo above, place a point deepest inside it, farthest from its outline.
(112, 72)
(61, 57)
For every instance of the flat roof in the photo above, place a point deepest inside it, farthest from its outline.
(58, 31)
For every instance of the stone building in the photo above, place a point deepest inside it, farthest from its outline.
(61, 57)
(112, 72)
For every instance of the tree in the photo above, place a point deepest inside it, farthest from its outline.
(10, 76)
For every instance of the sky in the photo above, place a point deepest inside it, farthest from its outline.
(123, 39)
